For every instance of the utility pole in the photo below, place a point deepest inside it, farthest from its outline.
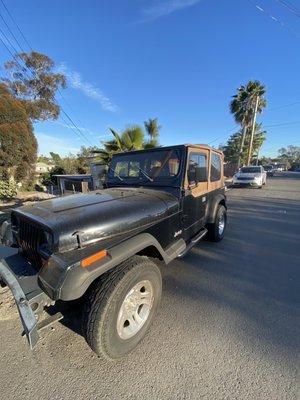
(242, 145)
(257, 157)
(252, 130)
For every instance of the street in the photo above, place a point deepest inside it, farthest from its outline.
(228, 325)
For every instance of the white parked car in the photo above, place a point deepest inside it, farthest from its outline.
(250, 176)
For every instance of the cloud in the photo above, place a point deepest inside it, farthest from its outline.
(165, 7)
(93, 92)
(62, 146)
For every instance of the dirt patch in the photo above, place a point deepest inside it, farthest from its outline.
(8, 308)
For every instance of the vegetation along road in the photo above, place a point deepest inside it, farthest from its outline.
(227, 327)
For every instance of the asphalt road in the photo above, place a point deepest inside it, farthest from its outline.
(228, 326)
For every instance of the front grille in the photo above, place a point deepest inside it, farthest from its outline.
(244, 178)
(30, 238)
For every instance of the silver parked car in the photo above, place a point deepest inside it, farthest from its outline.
(254, 176)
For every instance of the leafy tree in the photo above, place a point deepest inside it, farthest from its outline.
(232, 148)
(71, 164)
(265, 160)
(18, 146)
(243, 107)
(44, 159)
(83, 157)
(8, 188)
(290, 155)
(35, 85)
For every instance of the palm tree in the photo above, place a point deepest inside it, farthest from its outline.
(248, 101)
(152, 128)
(231, 149)
(132, 138)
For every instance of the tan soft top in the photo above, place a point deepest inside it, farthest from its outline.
(204, 146)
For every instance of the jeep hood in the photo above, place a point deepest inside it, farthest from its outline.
(99, 215)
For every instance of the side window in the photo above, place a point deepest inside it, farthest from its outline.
(195, 160)
(215, 167)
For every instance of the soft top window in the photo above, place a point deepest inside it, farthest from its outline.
(215, 167)
(160, 164)
(250, 170)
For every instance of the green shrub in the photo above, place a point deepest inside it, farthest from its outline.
(8, 188)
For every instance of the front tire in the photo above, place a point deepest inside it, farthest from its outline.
(216, 230)
(121, 306)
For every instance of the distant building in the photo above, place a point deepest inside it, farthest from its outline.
(41, 167)
(69, 184)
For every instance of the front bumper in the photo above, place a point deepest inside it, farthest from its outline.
(246, 183)
(21, 278)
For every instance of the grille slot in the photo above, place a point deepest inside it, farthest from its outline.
(30, 238)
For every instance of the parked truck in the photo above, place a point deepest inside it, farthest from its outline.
(106, 247)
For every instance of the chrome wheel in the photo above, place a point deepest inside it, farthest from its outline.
(221, 225)
(135, 309)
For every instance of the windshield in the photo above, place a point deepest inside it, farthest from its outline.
(145, 166)
(250, 170)
(268, 167)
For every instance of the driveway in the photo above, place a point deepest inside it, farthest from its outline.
(228, 326)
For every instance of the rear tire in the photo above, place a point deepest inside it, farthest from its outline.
(120, 307)
(216, 230)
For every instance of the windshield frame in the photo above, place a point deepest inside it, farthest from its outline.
(173, 181)
(250, 172)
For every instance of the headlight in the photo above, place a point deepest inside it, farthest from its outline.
(47, 243)
(15, 223)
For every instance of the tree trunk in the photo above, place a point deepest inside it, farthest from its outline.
(252, 131)
(242, 146)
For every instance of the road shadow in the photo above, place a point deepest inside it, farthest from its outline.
(252, 276)
(253, 272)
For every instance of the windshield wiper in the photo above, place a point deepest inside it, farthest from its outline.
(116, 174)
(145, 174)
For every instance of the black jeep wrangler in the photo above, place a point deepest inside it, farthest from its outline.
(102, 246)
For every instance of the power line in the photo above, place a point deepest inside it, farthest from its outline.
(290, 7)
(73, 126)
(8, 41)
(14, 56)
(81, 135)
(283, 124)
(11, 32)
(275, 19)
(283, 106)
(7, 48)
(76, 127)
(14, 21)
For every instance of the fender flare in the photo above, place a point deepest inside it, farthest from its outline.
(219, 198)
(77, 279)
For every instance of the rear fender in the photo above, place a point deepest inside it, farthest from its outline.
(215, 201)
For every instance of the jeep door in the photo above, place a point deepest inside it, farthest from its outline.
(194, 201)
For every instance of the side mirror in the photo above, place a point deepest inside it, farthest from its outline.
(201, 174)
(197, 174)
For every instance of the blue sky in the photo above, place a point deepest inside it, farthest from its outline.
(177, 60)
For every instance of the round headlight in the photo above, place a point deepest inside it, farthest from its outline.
(47, 242)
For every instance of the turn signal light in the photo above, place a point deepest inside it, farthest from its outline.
(93, 258)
